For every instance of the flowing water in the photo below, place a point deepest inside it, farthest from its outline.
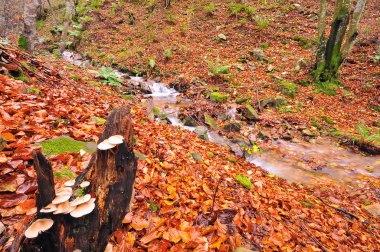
(307, 163)
(296, 162)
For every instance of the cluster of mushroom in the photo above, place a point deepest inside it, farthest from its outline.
(111, 142)
(79, 207)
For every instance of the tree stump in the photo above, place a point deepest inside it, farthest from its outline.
(112, 177)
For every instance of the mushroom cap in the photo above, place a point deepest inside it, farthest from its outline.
(49, 208)
(84, 184)
(83, 209)
(80, 200)
(70, 182)
(116, 139)
(63, 207)
(64, 191)
(70, 209)
(37, 227)
(61, 198)
(105, 145)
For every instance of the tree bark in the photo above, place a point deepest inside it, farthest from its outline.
(70, 12)
(30, 18)
(112, 178)
(3, 20)
(320, 60)
(353, 29)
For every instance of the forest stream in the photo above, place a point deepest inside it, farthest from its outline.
(304, 162)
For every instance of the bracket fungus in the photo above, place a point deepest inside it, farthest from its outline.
(83, 209)
(116, 139)
(84, 184)
(105, 145)
(70, 182)
(49, 208)
(111, 142)
(80, 200)
(37, 227)
(61, 198)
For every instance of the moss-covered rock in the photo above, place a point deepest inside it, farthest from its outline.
(218, 97)
(250, 113)
(65, 144)
(288, 88)
(210, 122)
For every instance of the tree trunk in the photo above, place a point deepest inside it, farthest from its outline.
(30, 18)
(112, 178)
(353, 29)
(320, 60)
(70, 12)
(3, 20)
(333, 56)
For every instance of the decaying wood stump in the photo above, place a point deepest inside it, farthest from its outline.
(112, 177)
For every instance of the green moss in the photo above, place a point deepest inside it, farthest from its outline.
(31, 90)
(62, 145)
(128, 97)
(244, 181)
(288, 89)
(307, 204)
(81, 192)
(232, 160)
(218, 97)
(23, 42)
(64, 173)
(153, 206)
(210, 121)
(21, 76)
(99, 120)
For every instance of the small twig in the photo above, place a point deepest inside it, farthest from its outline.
(214, 196)
(339, 209)
(303, 227)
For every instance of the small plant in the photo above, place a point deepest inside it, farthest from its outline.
(108, 76)
(262, 21)
(216, 68)
(237, 8)
(244, 181)
(168, 54)
(209, 9)
(366, 135)
(32, 90)
(64, 173)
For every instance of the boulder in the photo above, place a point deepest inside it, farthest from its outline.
(201, 131)
(232, 127)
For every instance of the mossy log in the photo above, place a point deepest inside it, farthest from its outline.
(112, 177)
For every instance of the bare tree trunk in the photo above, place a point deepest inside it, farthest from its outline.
(320, 60)
(30, 18)
(3, 20)
(112, 175)
(70, 12)
(53, 13)
(353, 29)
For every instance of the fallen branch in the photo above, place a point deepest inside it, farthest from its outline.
(339, 209)
(303, 227)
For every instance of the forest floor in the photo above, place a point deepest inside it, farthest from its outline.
(178, 173)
